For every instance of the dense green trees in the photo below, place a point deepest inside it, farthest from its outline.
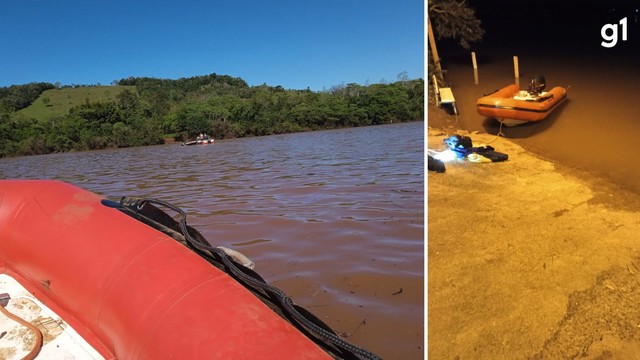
(18, 97)
(220, 105)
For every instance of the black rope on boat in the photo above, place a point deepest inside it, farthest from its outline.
(254, 280)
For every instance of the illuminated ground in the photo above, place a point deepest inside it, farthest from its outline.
(530, 260)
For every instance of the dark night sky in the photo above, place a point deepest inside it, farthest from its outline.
(567, 26)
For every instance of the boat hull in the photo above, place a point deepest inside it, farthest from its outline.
(129, 290)
(199, 142)
(512, 111)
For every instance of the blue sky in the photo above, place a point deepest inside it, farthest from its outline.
(295, 44)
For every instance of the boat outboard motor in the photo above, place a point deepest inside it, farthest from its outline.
(537, 85)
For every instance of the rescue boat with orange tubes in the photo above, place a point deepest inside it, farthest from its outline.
(131, 280)
(512, 106)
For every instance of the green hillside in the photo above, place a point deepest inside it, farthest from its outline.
(57, 102)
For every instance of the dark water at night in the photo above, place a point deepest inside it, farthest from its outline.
(333, 218)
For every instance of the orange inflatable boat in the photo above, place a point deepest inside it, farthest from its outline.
(132, 291)
(512, 106)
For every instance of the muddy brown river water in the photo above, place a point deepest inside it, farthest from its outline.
(333, 218)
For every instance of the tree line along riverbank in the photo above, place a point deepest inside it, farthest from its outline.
(41, 118)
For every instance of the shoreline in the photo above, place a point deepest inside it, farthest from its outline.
(439, 120)
(529, 258)
(171, 141)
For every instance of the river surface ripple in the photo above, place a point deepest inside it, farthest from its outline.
(334, 218)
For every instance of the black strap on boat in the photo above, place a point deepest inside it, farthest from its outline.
(322, 334)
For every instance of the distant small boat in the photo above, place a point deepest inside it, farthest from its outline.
(205, 141)
(512, 106)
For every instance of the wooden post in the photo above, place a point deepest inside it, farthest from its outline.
(475, 67)
(516, 71)
(432, 43)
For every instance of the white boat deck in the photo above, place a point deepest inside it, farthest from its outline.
(60, 341)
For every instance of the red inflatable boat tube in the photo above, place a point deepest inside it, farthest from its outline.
(129, 290)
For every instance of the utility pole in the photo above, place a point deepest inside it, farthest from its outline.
(432, 43)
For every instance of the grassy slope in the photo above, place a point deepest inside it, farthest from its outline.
(61, 100)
